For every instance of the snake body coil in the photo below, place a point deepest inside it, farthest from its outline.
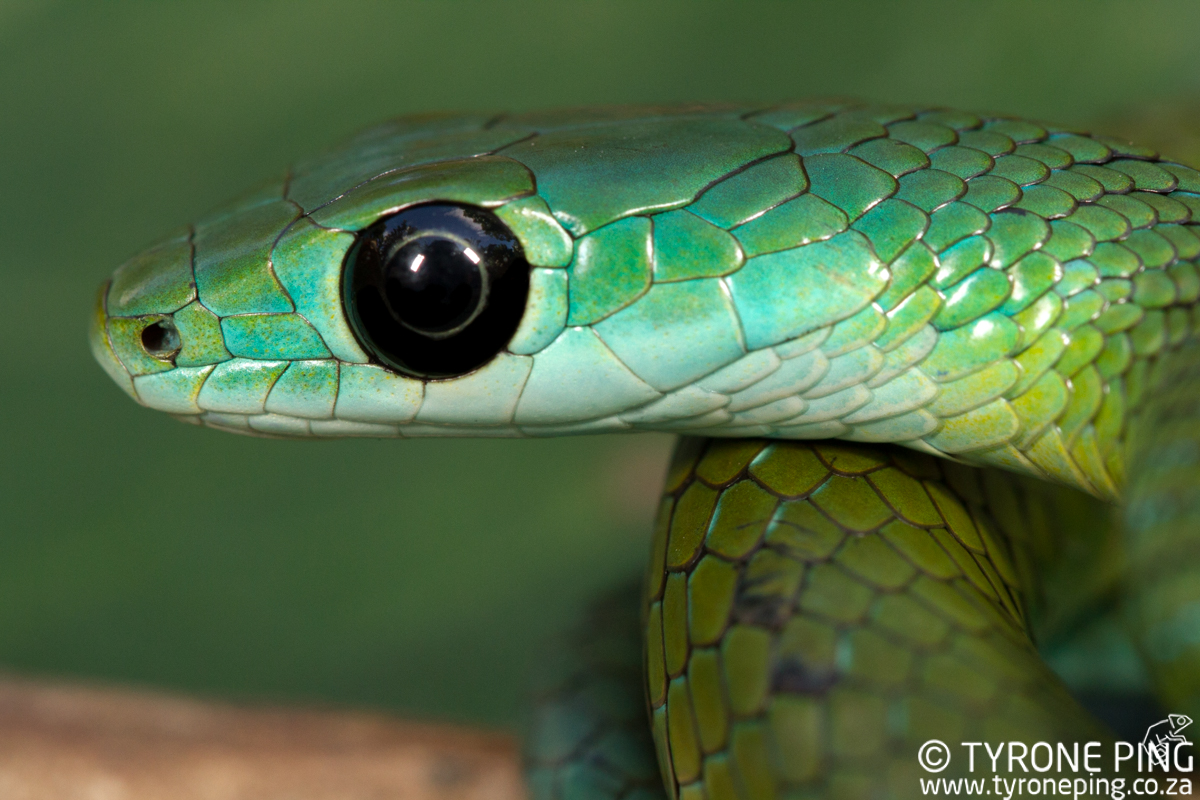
(825, 299)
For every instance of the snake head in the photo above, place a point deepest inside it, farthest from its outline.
(456, 275)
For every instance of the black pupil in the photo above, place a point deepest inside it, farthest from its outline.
(433, 284)
(435, 291)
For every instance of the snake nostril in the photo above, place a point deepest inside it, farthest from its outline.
(161, 339)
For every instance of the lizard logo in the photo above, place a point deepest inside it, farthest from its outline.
(1163, 736)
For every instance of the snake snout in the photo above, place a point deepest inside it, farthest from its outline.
(139, 352)
(101, 345)
(148, 331)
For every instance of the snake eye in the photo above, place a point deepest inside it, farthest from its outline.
(435, 291)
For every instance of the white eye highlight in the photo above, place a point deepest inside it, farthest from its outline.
(416, 262)
(469, 253)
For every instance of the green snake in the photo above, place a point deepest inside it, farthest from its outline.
(903, 347)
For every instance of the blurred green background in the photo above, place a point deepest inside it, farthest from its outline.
(413, 576)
